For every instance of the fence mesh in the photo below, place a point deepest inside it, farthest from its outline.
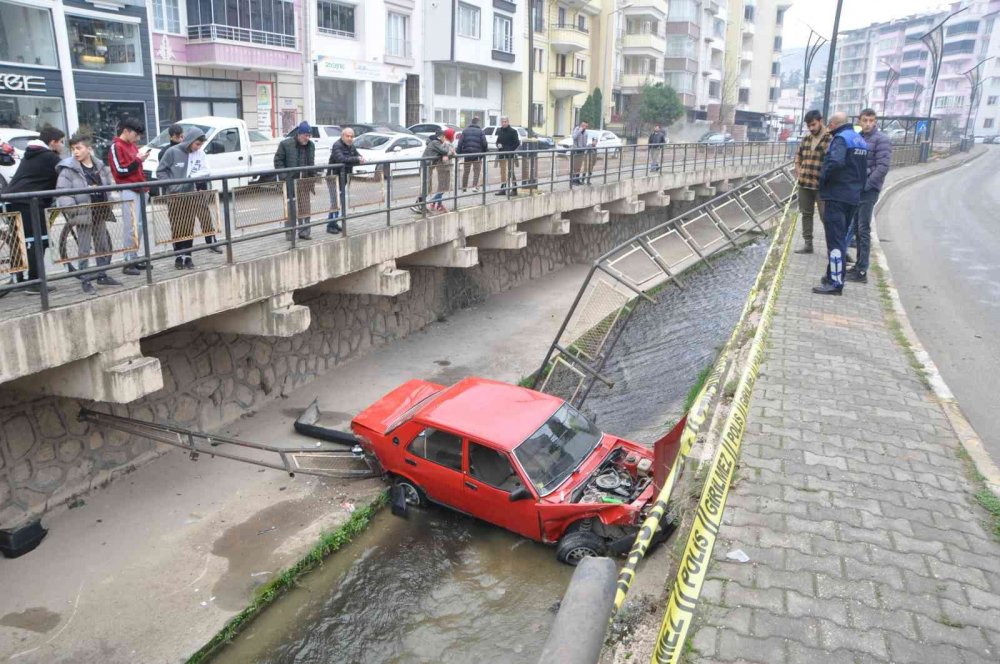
(704, 233)
(184, 216)
(259, 204)
(733, 216)
(92, 230)
(13, 252)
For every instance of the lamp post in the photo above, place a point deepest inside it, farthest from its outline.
(830, 60)
(975, 78)
(813, 44)
(933, 39)
(890, 81)
(610, 56)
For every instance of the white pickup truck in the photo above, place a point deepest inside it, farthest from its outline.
(232, 149)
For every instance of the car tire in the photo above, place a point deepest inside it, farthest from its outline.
(415, 496)
(575, 546)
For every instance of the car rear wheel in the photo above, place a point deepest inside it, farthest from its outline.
(413, 494)
(574, 547)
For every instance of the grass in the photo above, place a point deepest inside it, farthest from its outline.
(696, 388)
(896, 328)
(266, 594)
(986, 499)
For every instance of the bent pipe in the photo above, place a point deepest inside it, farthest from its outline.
(306, 425)
(577, 635)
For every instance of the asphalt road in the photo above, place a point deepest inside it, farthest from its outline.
(942, 241)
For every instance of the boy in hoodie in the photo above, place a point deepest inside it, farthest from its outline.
(87, 219)
(183, 161)
(435, 153)
(125, 160)
(36, 172)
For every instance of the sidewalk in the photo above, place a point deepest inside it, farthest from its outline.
(851, 501)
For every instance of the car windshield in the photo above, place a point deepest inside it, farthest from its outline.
(21, 142)
(256, 136)
(371, 141)
(558, 448)
(163, 140)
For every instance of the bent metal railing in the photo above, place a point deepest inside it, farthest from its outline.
(271, 213)
(633, 271)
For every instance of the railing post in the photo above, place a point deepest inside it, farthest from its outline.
(39, 250)
(425, 176)
(552, 170)
(621, 158)
(685, 164)
(635, 149)
(486, 175)
(227, 220)
(388, 197)
(144, 224)
(572, 160)
(454, 199)
(293, 210)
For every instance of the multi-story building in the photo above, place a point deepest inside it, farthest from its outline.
(242, 58)
(75, 65)
(365, 61)
(641, 47)
(986, 114)
(758, 83)
(474, 61)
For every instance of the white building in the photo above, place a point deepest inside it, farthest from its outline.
(365, 60)
(474, 56)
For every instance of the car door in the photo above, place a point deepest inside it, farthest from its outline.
(433, 459)
(225, 153)
(490, 477)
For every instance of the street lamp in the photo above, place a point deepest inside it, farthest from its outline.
(610, 57)
(974, 75)
(933, 39)
(890, 81)
(830, 60)
(813, 44)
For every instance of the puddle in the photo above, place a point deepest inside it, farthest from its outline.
(36, 619)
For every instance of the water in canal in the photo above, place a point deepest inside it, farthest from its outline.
(441, 587)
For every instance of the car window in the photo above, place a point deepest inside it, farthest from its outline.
(492, 467)
(414, 143)
(227, 140)
(397, 144)
(333, 132)
(423, 127)
(607, 136)
(522, 132)
(488, 131)
(163, 139)
(439, 447)
(370, 141)
(558, 448)
(21, 142)
(256, 136)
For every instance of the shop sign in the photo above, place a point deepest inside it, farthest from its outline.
(355, 69)
(265, 108)
(22, 83)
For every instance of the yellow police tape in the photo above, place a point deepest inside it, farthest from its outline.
(696, 417)
(698, 553)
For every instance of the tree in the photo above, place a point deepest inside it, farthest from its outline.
(592, 108)
(660, 105)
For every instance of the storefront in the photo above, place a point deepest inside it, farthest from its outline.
(75, 68)
(355, 91)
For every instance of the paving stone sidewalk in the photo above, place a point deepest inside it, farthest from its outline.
(852, 503)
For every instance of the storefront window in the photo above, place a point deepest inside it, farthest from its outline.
(385, 102)
(336, 101)
(100, 119)
(105, 46)
(26, 36)
(31, 112)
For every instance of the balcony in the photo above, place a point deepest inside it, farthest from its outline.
(592, 7)
(686, 28)
(689, 65)
(568, 38)
(635, 82)
(211, 32)
(567, 85)
(746, 56)
(655, 9)
(749, 28)
(651, 44)
(712, 7)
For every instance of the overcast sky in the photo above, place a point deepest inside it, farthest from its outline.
(856, 14)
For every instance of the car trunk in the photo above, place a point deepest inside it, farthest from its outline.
(390, 409)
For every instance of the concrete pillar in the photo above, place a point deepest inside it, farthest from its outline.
(503, 238)
(382, 279)
(120, 375)
(592, 216)
(626, 206)
(276, 316)
(553, 224)
(722, 186)
(682, 195)
(450, 254)
(655, 199)
(705, 191)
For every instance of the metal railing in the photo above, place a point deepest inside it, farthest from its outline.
(272, 212)
(217, 31)
(906, 155)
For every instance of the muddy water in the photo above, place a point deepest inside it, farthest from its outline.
(440, 587)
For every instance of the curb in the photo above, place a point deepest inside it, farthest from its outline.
(960, 424)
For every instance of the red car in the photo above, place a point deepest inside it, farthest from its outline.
(526, 461)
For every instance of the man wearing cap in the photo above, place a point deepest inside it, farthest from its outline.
(296, 152)
(344, 154)
(125, 160)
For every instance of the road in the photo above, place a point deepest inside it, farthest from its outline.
(942, 240)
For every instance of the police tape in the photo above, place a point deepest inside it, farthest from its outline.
(708, 520)
(696, 417)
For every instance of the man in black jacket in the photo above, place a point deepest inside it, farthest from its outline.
(36, 172)
(656, 142)
(507, 142)
(297, 151)
(473, 141)
(346, 155)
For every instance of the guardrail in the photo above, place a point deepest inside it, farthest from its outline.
(290, 203)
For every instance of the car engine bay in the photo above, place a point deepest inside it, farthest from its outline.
(620, 478)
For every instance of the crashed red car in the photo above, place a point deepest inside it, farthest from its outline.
(520, 459)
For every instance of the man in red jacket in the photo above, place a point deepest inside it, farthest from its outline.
(125, 160)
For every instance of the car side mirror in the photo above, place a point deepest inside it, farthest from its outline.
(397, 149)
(520, 493)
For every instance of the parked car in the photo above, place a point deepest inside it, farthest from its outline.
(992, 140)
(519, 459)
(715, 138)
(383, 127)
(427, 129)
(377, 147)
(324, 136)
(605, 139)
(491, 135)
(12, 145)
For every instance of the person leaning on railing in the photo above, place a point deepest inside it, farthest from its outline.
(435, 152)
(507, 143)
(125, 161)
(181, 162)
(578, 154)
(293, 152)
(87, 214)
(344, 154)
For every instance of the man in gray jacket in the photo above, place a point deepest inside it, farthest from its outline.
(183, 161)
(580, 145)
(879, 161)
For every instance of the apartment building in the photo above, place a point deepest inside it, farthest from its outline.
(241, 58)
(641, 47)
(365, 61)
(757, 86)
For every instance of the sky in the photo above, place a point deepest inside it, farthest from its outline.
(856, 14)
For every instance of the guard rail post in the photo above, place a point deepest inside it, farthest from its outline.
(38, 248)
(227, 221)
(577, 635)
(144, 225)
(388, 202)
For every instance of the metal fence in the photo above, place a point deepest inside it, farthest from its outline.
(620, 280)
(256, 216)
(906, 155)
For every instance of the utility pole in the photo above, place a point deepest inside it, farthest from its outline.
(531, 64)
(830, 60)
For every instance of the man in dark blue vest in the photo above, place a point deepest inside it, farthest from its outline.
(841, 180)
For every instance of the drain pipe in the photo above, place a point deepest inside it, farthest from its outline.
(577, 636)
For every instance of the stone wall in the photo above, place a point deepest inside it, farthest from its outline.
(47, 456)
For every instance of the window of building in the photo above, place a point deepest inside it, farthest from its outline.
(905, 88)
(465, 115)
(964, 28)
(581, 22)
(909, 56)
(26, 36)
(776, 68)
(780, 17)
(539, 60)
(578, 70)
(718, 28)
(447, 115)
(991, 100)
(538, 16)
(637, 26)
(439, 447)
(777, 43)
(682, 10)
(988, 123)
(963, 46)
(680, 47)
(748, 13)
(537, 114)
(446, 80)
(681, 81)
(105, 46)
(561, 17)
(472, 83)
(34, 113)
(917, 72)
(743, 96)
(888, 45)
(503, 34)
(336, 101)
(335, 18)
(385, 102)
(468, 20)
(264, 22)
(714, 89)
(167, 16)
(191, 97)
(775, 94)
(397, 33)
(102, 118)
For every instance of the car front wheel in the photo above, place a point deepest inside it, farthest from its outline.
(413, 494)
(574, 547)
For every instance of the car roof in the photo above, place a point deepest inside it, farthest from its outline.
(489, 411)
(388, 134)
(15, 132)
